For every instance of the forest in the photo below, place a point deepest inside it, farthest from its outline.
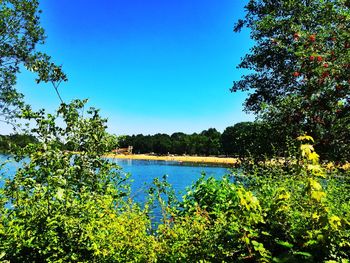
(241, 139)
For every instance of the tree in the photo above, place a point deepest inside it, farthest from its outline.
(20, 34)
(179, 143)
(161, 143)
(213, 146)
(66, 207)
(256, 139)
(7, 142)
(300, 69)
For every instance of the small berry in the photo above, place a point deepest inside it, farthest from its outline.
(312, 38)
(325, 74)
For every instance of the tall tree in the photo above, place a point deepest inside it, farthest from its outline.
(180, 142)
(250, 139)
(20, 34)
(213, 146)
(300, 68)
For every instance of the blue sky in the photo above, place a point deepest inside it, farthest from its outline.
(150, 66)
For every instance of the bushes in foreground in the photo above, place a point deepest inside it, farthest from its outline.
(63, 207)
(271, 214)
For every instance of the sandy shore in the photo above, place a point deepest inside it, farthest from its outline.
(190, 159)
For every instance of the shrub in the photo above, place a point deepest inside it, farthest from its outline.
(291, 212)
(74, 206)
(70, 206)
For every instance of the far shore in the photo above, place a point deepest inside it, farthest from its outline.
(188, 159)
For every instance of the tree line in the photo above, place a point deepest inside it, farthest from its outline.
(255, 139)
(242, 139)
(239, 140)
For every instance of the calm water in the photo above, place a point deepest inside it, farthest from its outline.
(180, 175)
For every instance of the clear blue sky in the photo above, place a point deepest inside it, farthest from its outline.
(150, 66)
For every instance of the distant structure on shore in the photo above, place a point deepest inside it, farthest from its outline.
(125, 151)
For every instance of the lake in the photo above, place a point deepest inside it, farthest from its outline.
(180, 175)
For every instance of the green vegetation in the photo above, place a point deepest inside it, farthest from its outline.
(62, 207)
(267, 214)
(206, 143)
(241, 140)
(20, 33)
(256, 139)
(299, 80)
(8, 142)
(66, 207)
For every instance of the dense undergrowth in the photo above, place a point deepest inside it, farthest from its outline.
(63, 207)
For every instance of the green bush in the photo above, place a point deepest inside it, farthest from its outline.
(71, 207)
(74, 206)
(296, 212)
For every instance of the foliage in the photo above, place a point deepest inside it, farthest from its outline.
(20, 33)
(206, 143)
(8, 142)
(303, 223)
(74, 206)
(256, 139)
(243, 139)
(66, 207)
(299, 78)
(295, 212)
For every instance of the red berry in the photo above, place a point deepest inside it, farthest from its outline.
(296, 37)
(319, 58)
(312, 38)
(312, 58)
(296, 74)
(325, 65)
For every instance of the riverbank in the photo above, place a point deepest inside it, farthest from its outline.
(189, 159)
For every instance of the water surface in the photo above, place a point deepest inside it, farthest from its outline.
(143, 172)
(179, 175)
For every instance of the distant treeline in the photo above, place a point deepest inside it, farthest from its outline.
(7, 142)
(242, 139)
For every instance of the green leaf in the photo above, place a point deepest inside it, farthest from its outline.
(284, 244)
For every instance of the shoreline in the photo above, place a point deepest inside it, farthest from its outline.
(180, 159)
